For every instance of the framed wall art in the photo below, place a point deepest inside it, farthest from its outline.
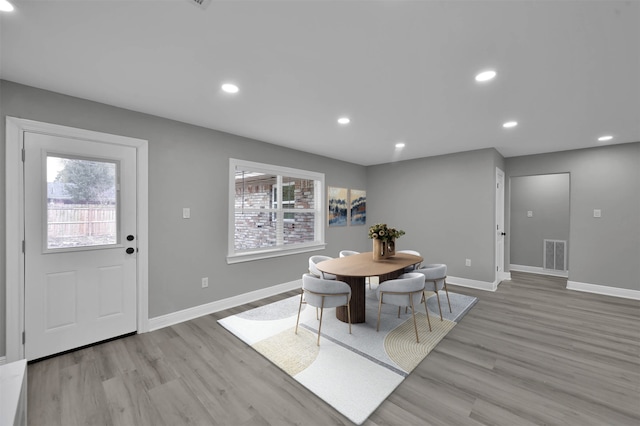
(358, 206)
(337, 202)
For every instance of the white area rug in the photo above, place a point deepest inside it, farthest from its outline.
(355, 372)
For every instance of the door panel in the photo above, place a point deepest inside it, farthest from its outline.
(499, 224)
(111, 288)
(80, 284)
(60, 294)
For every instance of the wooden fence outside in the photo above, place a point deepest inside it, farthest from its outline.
(78, 225)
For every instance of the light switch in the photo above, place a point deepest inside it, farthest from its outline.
(530, 213)
(597, 213)
(186, 213)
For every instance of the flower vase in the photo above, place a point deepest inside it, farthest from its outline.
(383, 249)
(391, 247)
(379, 249)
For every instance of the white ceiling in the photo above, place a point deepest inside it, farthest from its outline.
(568, 71)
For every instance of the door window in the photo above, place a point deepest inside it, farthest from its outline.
(82, 202)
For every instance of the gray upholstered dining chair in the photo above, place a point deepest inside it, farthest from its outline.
(322, 293)
(406, 290)
(313, 269)
(435, 279)
(411, 267)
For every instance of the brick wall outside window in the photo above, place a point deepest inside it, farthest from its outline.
(258, 229)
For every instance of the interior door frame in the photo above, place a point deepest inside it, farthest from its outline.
(14, 199)
(500, 221)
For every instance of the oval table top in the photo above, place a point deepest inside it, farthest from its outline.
(363, 265)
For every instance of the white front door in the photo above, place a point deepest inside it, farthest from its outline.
(80, 242)
(499, 225)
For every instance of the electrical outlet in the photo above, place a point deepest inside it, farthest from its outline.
(205, 282)
(467, 262)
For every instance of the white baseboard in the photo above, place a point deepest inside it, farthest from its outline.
(220, 305)
(480, 285)
(605, 290)
(502, 276)
(538, 270)
(3, 360)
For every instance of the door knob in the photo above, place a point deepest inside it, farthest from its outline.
(130, 250)
(130, 237)
(503, 233)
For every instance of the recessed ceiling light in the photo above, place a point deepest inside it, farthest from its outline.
(510, 124)
(400, 145)
(486, 75)
(230, 88)
(5, 6)
(605, 138)
(344, 120)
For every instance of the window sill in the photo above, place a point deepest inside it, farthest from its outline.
(248, 257)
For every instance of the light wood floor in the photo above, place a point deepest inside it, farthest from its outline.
(530, 353)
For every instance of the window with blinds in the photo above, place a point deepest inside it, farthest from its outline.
(275, 211)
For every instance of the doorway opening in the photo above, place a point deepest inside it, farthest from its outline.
(539, 225)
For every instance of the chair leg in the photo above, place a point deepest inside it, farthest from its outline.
(447, 291)
(320, 325)
(413, 313)
(439, 307)
(349, 314)
(379, 309)
(299, 309)
(426, 311)
(399, 311)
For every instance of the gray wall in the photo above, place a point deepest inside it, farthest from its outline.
(547, 197)
(446, 205)
(603, 251)
(188, 167)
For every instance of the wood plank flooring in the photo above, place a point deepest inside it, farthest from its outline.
(532, 353)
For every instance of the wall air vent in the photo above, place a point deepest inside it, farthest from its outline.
(555, 255)
(202, 4)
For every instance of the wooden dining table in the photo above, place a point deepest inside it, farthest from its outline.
(355, 268)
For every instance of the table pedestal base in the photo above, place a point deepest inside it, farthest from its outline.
(358, 297)
(357, 303)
